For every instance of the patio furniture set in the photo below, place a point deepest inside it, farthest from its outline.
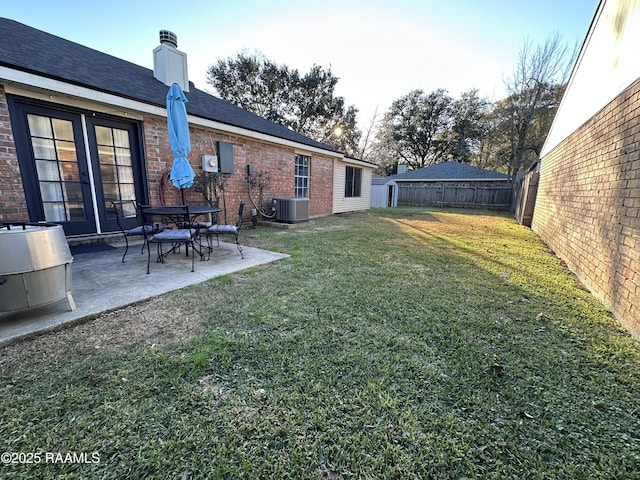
(176, 226)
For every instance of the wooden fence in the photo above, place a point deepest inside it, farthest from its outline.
(455, 195)
(526, 189)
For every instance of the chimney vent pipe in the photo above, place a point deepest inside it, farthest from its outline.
(169, 37)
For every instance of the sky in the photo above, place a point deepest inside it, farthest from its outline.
(379, 50)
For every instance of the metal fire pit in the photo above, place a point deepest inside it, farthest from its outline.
(35, 266)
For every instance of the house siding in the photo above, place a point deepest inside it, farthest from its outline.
(342, 204)
(588, 205)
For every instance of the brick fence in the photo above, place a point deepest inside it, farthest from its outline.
(588, 205)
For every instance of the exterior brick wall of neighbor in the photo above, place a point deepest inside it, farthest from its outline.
(13, 205)
(588, 205)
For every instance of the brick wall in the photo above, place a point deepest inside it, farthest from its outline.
(588, 205)
(263, 156)
(13, 206)
(279, 160)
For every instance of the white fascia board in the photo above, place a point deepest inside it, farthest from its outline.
(18, 80)
(361, 163)
(56, 87)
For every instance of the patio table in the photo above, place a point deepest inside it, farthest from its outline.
(177, 216)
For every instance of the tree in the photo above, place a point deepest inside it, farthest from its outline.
(365, 143)
(534, 93)
(470, 115)
(496, 146)
(415, 129)
(422, 129)
(306, 104)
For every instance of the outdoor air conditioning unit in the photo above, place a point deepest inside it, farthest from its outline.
(292, 210)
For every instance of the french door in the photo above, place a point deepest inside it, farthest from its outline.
(73, 165)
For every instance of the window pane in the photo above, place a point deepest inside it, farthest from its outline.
(47, 170)
(73, 191)
(106, 155)
(50, 191)
(63, 129)
(39, 126)
(103, 136)
(76, 211)
(110, 191)
(57, 169)
(66, 151)
(121, 138)
(108, 173)
(43, 149)
(353, 181)
(128, 210)
(123, 156)
(70, 171)
(125, 175)
(127, 192)
(54, 212)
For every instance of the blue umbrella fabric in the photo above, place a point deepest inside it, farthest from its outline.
(181, 173)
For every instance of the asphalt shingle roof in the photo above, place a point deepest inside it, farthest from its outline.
(450, 171)
(34, 51)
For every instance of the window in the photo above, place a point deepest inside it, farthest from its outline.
(353, 181)
(301, 177)
(116, 170)
(54, 150)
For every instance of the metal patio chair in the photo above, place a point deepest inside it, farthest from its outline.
(132, 223)
(233, 230)
(176, 237)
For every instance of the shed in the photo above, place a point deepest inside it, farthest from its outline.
(384, 193)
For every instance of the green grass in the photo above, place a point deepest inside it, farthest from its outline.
(401, 343)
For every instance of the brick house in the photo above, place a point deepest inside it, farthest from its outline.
(79, 128)
(588, 201)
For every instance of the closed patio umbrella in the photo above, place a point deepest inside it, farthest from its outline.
(181, 173)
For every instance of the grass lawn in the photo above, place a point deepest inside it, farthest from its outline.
(398, 343)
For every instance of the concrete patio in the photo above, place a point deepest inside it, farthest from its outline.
(100, 282)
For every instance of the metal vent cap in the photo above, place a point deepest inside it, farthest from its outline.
(169, 37)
